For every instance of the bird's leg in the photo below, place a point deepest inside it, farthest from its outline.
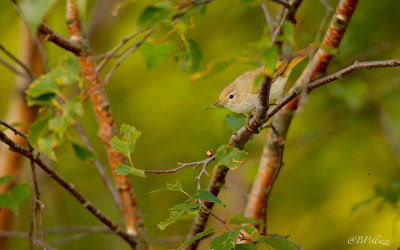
(248, 120)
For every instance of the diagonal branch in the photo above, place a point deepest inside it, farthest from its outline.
(69, 187)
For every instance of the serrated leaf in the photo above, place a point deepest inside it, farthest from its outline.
(170, 187)
(174, 216)
(269, 59)
(225, 241)
(205, 196)
(58, 124)
(154, 53)
(13, 199)
(5, 179)
(245, 246)
(191, 58)
(36, 130)
(41, 86)
(186, 207)
(198, 236)
(239, 219)
(82, 152)
(277, 243)
(154, 14)
(229, 156)
(45, 144)
(127, 144)
(234, 122)
(34, 11)
(123, 169)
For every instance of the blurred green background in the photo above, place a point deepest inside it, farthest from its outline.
(336, 152)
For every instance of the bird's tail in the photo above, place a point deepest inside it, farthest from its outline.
(284, 67)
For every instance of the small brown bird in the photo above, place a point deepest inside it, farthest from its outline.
(241, 97)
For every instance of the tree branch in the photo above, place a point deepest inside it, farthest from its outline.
(69, 187)
(273, 150)
(107, 128)
(51, 36)
(15, 59)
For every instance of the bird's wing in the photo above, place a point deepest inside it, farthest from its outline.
(285, 66)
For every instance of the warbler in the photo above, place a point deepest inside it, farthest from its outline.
(240, 96)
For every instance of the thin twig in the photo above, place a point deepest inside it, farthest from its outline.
(10, 127)
(328, 13)
(25, 236)
(100, 168)
(15, 70)
(268, 18)
(279, 28)
(133, 49)
(51, 36)
(332, 77)
(112, 52)
(15, 59)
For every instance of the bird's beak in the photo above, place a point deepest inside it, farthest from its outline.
(218, 103)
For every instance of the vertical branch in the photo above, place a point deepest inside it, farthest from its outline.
(107, 128)
(269, 165)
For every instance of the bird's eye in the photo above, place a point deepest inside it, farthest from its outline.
(230, 96)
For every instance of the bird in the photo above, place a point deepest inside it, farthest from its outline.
(240, 96)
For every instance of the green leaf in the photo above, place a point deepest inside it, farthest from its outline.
(186, 207)
(230, 156)
(239, 219)
(67, 70)
(37, 129)
(14, 198)
(277, 243)
(42, 100)
(287, 33)
(245, 246)
(234, 122)
(225, 241)
(154, 14)
(127, 144)
(58, 124)
(170, 187)
(43, 85)
(155, 53)
(269, 59)
(82, 152)
(254, 234)
(73, 108)
(205, 196)
(191, 58)
(45, 144)
(5, 179)
(34, 11)
(198, 236)
(175, 215)
(123, 169)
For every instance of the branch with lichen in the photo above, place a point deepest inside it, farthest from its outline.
(271, 162)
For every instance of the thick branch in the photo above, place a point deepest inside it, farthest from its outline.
(51, 36)
(69, 187)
